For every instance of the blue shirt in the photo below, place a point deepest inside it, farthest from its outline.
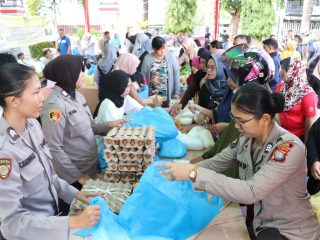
(276, 59)
(63, 44)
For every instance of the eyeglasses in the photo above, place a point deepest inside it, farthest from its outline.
(241, 123)
(211, 68)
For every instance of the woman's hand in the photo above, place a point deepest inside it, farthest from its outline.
(175, 109)
(315, 170)
(118, 123)
(82, 180)
(157, 101)
(218, 128)
(196, 160)
(86, 219)
(85, 196)
(193, 107)
(176, 171)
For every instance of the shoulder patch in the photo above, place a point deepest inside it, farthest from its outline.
(54, 115)
(5, 168)
(234, 143)
(281, 151)
(13, 133)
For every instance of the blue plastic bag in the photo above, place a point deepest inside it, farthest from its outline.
(158, 209)
(108, 227)
(173, 148)
(144, 92)
(169, 209)
(157, 117)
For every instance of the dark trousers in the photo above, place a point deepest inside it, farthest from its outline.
(266, 234)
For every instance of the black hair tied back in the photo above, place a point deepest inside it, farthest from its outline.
(278, 102)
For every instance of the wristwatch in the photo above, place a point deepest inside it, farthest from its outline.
(193, 173)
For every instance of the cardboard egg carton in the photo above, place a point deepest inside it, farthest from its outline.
(112, 176)
(130, 137)
(128, 177)
(129, 154)
(112, 166)
(148, 155)
(112, 139)
(129, 167)
(110, 155)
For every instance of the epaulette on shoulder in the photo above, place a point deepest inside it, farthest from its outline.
(2, 140)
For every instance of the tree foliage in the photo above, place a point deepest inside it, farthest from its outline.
(36, 50)
(231, 6)
(259, 17)
(180, 16)
(34, 7)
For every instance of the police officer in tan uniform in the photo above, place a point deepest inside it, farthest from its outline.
(68, 124)
(272, 169)
(29, 185)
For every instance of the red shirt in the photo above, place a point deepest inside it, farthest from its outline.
(293, 120)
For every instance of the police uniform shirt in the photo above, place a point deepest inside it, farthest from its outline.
(275, 184)
(29, 186)
(69, 128)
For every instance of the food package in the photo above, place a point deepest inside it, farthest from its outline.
(115, 194)
(185, 117)
(192, 143)
(204, 134)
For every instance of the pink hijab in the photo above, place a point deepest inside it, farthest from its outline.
(196, 63)
(127, 62)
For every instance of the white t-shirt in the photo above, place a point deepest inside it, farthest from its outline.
(1, 111)
(108, 111)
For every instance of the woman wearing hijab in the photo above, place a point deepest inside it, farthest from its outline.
(188, 51)
(194, 88)
(142, 46)
(116, 41)
(300, 99)
(195, 67)
(128, 63)
(291, 51)
(314, 81)
(215, 84)
(116, 103)
(88, 47)
(68, 124)
(314, 60)
(127, 42)
(105, 64)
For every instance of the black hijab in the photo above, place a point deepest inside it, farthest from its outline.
(285, 63)
(114, 86)
(65, 70)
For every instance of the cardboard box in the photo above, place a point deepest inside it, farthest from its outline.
(91, 95)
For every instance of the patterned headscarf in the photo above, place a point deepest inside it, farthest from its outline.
(296, 86)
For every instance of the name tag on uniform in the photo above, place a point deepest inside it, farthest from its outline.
(242, 164)
(63, 41)
(72, 112)
(27, 161)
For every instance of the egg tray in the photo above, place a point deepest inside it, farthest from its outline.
(129, 154)
(130, 137)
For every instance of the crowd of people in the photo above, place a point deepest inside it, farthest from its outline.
(262, 105)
